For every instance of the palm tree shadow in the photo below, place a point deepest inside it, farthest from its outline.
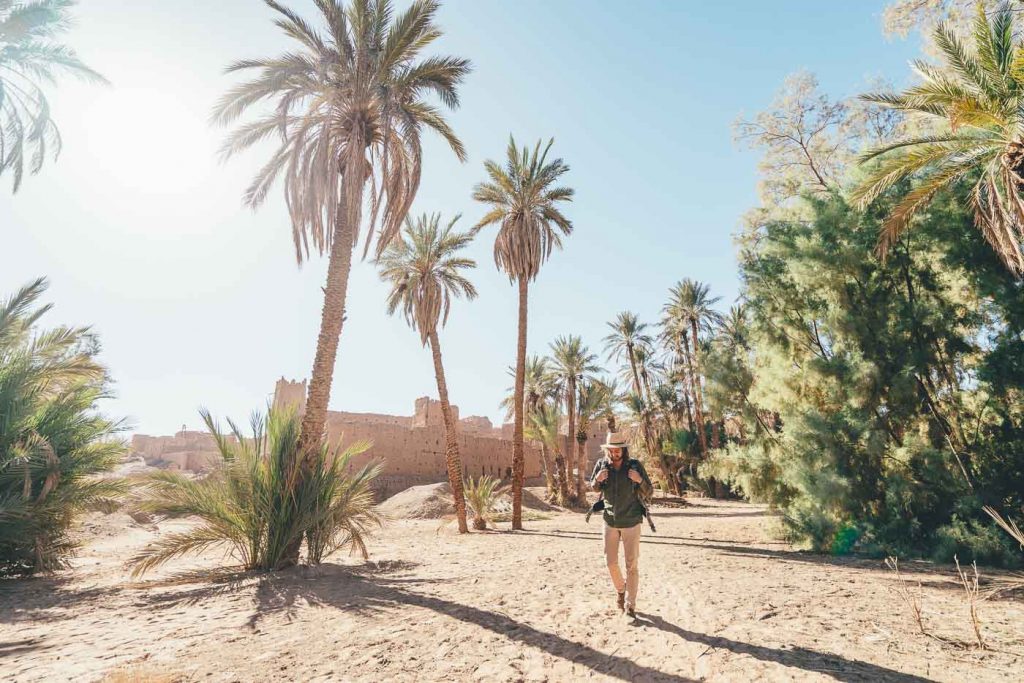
(369, 593)
(839, 668)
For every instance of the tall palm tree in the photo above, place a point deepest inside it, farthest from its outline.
(627, 335)
(629, 340)
(525, 202)
(425, 271)
(346, 107)
(29, 58)
(571, 364)
(689, 307)
(975, 104)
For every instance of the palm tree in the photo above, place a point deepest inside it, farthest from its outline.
(28, 59)
(538, 391)
(629, 340)
(346, 106)
(626, 337)
(525, 202)
(974, 103)
(54, 446)
(595, 400)
(689, 307)
(571, 364)
(542, 425)
(424, 269)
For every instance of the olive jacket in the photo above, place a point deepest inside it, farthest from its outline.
(623, 507)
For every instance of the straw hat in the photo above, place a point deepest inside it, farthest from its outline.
(615, 440)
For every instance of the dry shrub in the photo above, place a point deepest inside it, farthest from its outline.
(970, 584)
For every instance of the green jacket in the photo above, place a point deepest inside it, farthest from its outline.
(622, 505)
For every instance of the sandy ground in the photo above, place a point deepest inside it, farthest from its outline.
(719, 601)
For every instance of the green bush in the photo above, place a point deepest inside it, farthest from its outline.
(261, 502)
(53, 444)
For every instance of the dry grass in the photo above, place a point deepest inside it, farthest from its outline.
(970, 584)
(910, 597)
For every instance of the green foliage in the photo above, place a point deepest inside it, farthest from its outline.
(481, 495)
(53, 444)
(880, 402)
(259, 504)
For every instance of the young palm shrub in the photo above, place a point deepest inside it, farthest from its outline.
(257, 504)
(52, 442)
(481, 495)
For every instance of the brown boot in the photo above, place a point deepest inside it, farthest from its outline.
(631, 612)
(622, 601)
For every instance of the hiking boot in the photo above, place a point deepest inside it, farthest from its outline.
(622, 601)
(631, 612)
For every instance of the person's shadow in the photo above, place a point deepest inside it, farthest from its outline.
(839, 668)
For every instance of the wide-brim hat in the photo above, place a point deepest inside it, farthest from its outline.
(615, 440)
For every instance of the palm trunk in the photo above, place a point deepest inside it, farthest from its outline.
(581, 458)
(562, 475)
(570, 437)
(332, 318)
(698, 398)
(545, 461)
(451, 451)
(518, 459)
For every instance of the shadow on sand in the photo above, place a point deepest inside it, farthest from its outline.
(371, 590)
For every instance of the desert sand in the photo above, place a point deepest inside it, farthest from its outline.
(720, 601)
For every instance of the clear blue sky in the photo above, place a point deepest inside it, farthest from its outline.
(198, 301)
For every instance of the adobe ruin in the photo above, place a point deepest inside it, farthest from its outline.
(410, 449)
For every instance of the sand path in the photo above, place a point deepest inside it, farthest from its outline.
(719, 601)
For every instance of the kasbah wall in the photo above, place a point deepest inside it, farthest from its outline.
(410, 449)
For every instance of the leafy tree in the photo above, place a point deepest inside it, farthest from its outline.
(884, 438)
(30, 58)
(347, 109)
(425, 270)
(526, 203)
(54, 446)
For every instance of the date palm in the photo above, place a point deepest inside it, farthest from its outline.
(538, 390)
(689, 312)
(596, 398)
(629, 340)
(346, 108)
(425, 270)
(571, 365)
(29, 59)
(525, 203)
(542, 425)
(975, 102)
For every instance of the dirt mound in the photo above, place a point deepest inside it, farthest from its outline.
(434, 501)
(429, 501)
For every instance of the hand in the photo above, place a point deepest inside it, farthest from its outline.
(601, 476)
(635, 477)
